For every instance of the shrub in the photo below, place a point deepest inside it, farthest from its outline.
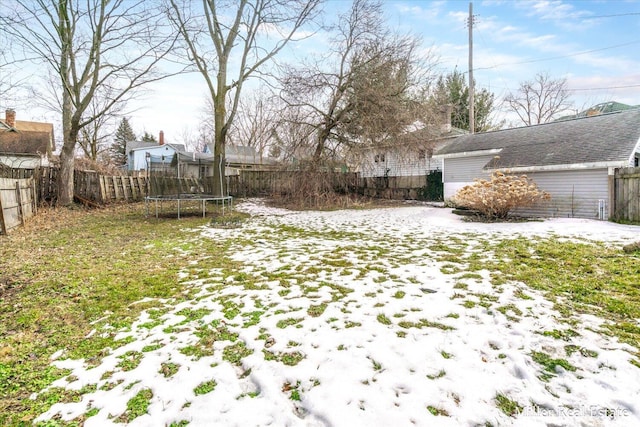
(495, 198)
(631, 247)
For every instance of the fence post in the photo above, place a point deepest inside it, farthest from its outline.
(3, 228)
(34, 197)
(134, 190)
(19, 200)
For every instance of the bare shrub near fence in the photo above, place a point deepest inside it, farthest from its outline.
(495, 198)
(315, 189)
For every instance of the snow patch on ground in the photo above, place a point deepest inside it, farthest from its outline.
(352, 321)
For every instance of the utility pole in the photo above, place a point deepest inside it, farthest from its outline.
(471, 83)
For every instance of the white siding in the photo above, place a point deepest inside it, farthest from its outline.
(397, 163)
(574, 193)
(465, 169)
(139, 161)
(461, 171)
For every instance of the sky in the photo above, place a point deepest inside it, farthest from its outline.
(593, 44)
(358, 317)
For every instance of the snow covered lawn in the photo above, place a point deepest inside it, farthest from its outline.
(365, 317)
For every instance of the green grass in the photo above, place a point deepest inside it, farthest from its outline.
(383, 319)
(436, 411)
(288, 322)
(236, 352)
(168, 369)
(68, 268)
(205, 387)
(441, 373)
(580, 277)
(506, 405)
(136, 406)
(84, 270)
(316, 310)
(550, 365)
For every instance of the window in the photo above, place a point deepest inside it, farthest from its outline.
(422, 154)
(379, 158)
(636, 161)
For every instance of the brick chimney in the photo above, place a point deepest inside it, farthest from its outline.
(10, 117)
(161, 138)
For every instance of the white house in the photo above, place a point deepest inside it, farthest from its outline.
(176, 160)
(573, 160)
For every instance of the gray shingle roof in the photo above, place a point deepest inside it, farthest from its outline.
(604, 138)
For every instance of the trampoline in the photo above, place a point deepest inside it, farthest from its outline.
(179, 198)
(175, 179)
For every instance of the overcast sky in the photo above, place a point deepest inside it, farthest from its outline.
(593, 44)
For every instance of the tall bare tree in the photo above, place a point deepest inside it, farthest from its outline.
(364, 89)
(256, 120)
(93, 47)
(540, 100)
(219, 33)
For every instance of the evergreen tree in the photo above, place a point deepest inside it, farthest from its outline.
(147, 137)
(453, 89)
(118, 149)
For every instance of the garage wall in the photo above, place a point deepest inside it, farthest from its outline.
(462, 171)
(574, 193)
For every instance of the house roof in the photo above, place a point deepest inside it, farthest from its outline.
(25, 142)
(134, 145)
(33, 137)
(602, 108)
(34, 126)
(233, 154)
(607, 138)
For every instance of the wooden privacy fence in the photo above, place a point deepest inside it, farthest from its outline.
(101, 189)
(627, 194)
(18, 202)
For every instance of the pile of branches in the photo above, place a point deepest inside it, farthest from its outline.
(315, 188)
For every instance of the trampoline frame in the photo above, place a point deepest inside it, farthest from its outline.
(204, 198)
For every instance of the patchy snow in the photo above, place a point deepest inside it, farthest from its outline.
(352, 319)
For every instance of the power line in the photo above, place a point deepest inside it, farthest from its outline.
(605, 88)
(489, 87)
(561, 56)
(612, 16)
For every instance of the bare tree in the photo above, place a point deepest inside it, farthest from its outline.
(93, 137)
(92, 47)
(292, 137)
(11, 83)
(6, 84)
(221, 32)
(364, 90)
(257, 117)
(541, 100)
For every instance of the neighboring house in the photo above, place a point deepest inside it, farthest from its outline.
(25, 144)
(406, 168)
(176, 160)
(602, 108)
(412, 155)
(573, 160)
